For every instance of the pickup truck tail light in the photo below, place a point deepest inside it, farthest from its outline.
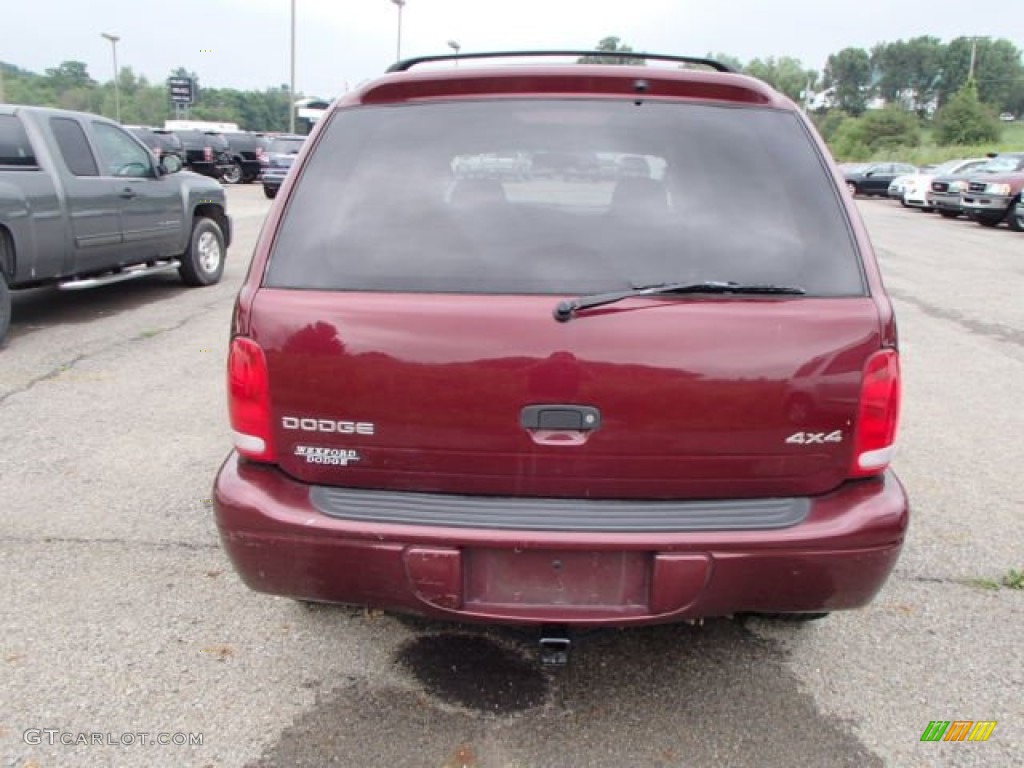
(261, 155)
(208, 154)
(249, 400)
(878, 414)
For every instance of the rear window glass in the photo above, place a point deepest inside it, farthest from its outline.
(167, 140)
(15, 148)
(74, 147)
(285, 146)
(563, 196)
(192, 139)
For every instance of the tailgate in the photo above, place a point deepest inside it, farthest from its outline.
(660, 399)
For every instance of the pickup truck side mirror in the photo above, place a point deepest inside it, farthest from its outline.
(169, 164)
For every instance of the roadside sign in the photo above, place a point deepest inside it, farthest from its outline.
(182, 90)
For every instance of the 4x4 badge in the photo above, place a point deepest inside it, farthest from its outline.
(812, 438)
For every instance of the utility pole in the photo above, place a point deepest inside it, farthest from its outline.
(398, 47)
(117, 90)
(974, 57)
(291, 87)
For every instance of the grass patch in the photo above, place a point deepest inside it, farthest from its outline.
(930, 153)
(1013, 579)
(984, 584)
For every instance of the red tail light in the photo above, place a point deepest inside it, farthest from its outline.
(261, 155)
(208, 154)
(879, 414)
(249, 400)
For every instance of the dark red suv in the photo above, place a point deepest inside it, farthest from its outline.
(627, 398)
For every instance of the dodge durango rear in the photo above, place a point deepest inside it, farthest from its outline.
(663, 389)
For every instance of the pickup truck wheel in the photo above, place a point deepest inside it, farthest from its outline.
(5, 305)
(203, 262)
(270, 192)
(233, 175)
(987, 221)
(949, 214)
(852, 188)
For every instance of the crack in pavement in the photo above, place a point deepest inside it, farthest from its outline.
(190, 545)
(964, 581)
(995, 331)
(69, 365)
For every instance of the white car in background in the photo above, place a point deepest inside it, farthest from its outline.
(916, 187)
(896, 187)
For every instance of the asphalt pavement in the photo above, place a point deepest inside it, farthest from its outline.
(122, 619)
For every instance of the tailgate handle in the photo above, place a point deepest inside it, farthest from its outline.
(581, 418)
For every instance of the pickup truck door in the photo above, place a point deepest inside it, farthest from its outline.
(150, 205)
(92, 204)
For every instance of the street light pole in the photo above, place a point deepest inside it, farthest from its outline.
(291, 86)
(398, 51)
(117, 90)
(454, 45)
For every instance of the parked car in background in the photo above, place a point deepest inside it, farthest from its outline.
(278, 160)
(1007, 117)
(875, 178)
(896, 187)
(248, 151)
(201, 155)
(916, 187)
(991, 197)
(457, 396)
(84, 203)
(946, 195)
(161, 142)
(634, 166)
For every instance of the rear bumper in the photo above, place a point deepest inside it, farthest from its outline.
(837, 558)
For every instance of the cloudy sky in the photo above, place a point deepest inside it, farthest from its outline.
(340, 43)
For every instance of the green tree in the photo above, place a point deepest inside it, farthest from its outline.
(849, 74)
(909, 72)
(786, 74)
(613, 45)
(730, 61)
(965, 120)
(998, 72)
(829, 123)
(889, 130)
(70, 74)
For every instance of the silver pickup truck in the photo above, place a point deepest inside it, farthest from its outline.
(84, 203)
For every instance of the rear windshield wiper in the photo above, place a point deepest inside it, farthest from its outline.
(566, 309)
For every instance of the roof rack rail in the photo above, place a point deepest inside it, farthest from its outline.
(406, 64)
